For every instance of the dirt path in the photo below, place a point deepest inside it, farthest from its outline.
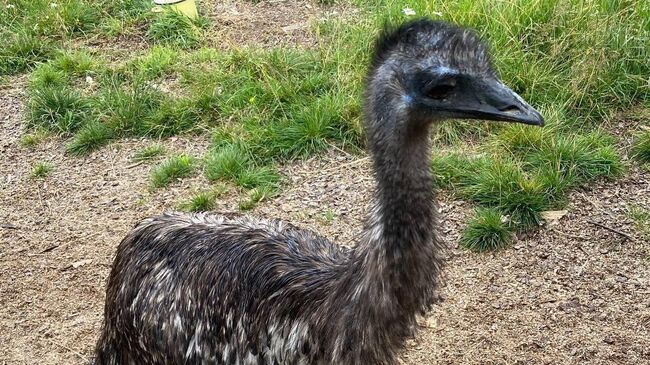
(572, 293)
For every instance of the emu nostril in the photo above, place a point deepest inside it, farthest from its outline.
(511, 109)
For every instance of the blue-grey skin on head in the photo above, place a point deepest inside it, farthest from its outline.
(215, 289)
(440, 71)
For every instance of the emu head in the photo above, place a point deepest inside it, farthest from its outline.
(429, 70)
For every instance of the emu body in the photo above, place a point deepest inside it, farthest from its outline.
(205, 289)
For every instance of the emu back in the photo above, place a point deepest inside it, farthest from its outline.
(192, 289)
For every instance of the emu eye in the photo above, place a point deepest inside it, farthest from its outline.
(440, 91)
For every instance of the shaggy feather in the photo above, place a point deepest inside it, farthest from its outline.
(203, 289)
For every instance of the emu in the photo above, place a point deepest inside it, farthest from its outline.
(210, 289)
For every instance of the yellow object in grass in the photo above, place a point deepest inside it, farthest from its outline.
(187, 7)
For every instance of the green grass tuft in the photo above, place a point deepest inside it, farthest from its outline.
(149, 153)
(58, 109)
(487, 231)
(641, 218)
(174, 28)
(172, 117)
(173, 168)
(203, 201)
(578, 158)
(79, 16)
(503, 185)
(126, 109)
(89, 138)
(257, 195)
(33, 139)
(158, 62)
(641, 147)
(227, 162)
(23, 51)
(46, 76)
(41, 170)
(253, 177)
(74, 63)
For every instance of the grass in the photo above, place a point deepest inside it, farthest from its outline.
(159, 61)
(33, 139)
(641, 147)
(58, 109)
(257, 195)
(641, 218)
(90, 137)
(41, 170)
(487, 231)
(173, 28)
(265, 107)
(149, 153)
(175, 167)
(203, 201)
(22, 52)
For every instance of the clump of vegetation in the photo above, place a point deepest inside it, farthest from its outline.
(173, 168)
(256, 195)
(149, 153)
(327, 217)
(157, 62)
(126, 108)
(22, 51)
(641, 218)
(487, 231)
(41, 170)
(203, 201)
(641, 147)
(58, 109)
(33, 139)
(174, 28)
(232, 163)
(74, 63)
(89, 138)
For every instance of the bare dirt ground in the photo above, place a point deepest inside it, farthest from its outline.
(571, 293)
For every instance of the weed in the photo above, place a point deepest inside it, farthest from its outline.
(41, 170)
(89, 138)
(487, 231)
(149, 153)
(327, 217)
(175, 167)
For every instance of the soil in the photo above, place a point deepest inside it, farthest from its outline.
(576, 291)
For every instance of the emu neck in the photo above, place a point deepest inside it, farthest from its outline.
(400, 251)
(392, 275)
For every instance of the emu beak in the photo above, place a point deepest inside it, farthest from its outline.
(495, 101)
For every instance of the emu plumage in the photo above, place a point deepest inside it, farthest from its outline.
(206, 289)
